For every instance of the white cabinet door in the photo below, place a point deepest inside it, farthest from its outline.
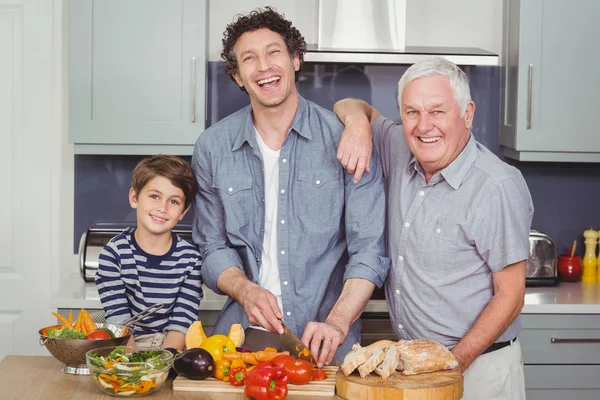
(551, 92)
(30, 144)
(137, 71)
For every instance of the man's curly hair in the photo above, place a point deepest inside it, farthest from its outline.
(260, 18)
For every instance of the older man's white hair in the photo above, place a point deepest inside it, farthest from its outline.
(439, 66)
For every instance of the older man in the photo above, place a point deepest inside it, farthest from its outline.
(458, 222)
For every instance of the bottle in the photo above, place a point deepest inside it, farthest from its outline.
(590, 261)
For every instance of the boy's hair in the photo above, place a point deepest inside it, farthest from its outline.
(260, 18)
(173, 168)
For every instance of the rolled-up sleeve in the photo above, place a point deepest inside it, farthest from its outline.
(365, 225)
(209, 231)
(502, 236)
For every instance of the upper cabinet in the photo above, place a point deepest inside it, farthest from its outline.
(550, 88)
(137, 75)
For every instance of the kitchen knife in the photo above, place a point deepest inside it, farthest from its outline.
(291, 343)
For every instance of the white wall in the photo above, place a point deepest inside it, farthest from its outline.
(453, 23)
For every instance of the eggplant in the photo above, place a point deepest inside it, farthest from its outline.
(176, 353)
(195, 364)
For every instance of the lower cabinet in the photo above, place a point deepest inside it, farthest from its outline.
(561, 353)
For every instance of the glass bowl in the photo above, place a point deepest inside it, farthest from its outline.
(122, 371)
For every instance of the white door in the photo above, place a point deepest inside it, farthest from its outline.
(30, 142)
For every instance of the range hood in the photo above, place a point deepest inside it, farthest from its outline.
(373, 32)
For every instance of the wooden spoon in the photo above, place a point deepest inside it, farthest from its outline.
(573, 248)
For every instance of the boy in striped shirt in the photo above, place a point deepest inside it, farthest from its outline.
(150, 264)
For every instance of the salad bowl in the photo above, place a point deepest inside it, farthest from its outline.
(129, 371)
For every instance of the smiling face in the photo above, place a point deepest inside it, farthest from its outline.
(159, 205)
(433, 127)
(265, 68)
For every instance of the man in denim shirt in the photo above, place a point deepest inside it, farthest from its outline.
(283, 230)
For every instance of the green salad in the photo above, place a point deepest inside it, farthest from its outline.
(122, 379)
(65, 333)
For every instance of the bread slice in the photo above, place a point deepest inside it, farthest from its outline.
(377, 356)
(353, 359)
(423, 355)
(390, 361)
(379, 344)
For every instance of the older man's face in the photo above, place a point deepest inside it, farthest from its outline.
(433, 127)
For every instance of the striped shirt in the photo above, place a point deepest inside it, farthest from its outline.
(129, 280)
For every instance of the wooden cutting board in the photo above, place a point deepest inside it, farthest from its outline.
(441, 385)
(325, 387)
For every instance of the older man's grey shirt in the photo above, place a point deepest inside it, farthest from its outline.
(329, 229)
(446, 238)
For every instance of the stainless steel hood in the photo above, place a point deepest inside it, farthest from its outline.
(373, 32)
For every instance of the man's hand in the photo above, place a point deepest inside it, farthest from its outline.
(356, 145)
(324, 336)
(462, 366)
(262, 309)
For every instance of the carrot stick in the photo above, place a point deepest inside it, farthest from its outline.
(70, 318)
(78, 323)
(62, 319)
(88, 322)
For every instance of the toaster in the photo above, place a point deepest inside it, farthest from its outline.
(541, 263)
(99, 234)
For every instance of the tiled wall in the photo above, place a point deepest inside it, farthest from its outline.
(566, 196)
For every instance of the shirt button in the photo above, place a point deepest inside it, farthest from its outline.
(288, 313)
(438, 230)
(400, 258)
(318, 182)
(257, 259)
(230, 190)
(282, 191)
(282, 252)
(284, 160)
(282, 221)
(397, 291)
(400, 326)
(421, 193)
(285, 283)
(406, 224)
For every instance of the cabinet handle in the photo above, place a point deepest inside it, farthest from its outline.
(529, 93)
(559, 340)
(193, 89)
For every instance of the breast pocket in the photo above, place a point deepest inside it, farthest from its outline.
(439, 250)
(321, 194)
(236, 197)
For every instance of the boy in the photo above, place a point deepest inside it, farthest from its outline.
(150, 264)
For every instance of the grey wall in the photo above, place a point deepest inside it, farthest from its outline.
(565, 195)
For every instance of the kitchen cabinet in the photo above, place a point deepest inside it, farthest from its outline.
(137, 75)
(561, 356)
(549, 98)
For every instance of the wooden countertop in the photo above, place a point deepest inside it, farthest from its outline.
(31, 378)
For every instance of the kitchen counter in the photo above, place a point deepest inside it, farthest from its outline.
(565, 298)
(28, 378)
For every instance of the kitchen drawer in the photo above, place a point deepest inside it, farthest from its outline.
(560, 339)
(561, 382)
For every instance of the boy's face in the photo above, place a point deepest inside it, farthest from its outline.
(159, 205)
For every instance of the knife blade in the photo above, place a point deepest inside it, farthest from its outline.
(291, 343)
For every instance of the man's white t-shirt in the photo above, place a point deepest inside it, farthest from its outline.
(269, 269)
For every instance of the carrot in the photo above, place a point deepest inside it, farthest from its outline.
(249, 358)
(231, 355)
(270, 349)
(63, 320)
(77, 326)
(262, 356)
(70, 318)
(88, 322)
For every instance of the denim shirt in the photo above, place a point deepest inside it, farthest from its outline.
(329, 229)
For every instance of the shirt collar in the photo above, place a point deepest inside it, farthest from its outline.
(299, 125)
(454, 173)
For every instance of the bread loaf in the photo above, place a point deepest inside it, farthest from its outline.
(422, 355)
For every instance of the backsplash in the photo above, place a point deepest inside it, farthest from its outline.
(564, 194)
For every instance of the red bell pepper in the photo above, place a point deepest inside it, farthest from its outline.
(237, 376)
(267, 383)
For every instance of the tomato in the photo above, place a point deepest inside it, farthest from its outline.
(299, 372)
(319, 375)
(279, 361)
(97, 335)
(216, 345)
